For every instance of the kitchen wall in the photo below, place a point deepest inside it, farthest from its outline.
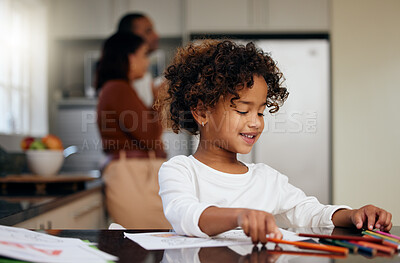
(366, 123)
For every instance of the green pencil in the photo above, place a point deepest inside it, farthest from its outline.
(351, 247)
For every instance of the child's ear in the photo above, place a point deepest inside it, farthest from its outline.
(200, 113)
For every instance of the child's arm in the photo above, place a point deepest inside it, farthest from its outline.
(368, 216)
(255, 223)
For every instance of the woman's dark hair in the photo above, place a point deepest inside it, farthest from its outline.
(114, 62)
(125, 24)
(212, 69)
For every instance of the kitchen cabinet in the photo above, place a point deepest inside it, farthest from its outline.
(76, 19)
(218, 15)
(298, 15)
(81, 19)
(257, 16)
(167, 15)
(86, 212)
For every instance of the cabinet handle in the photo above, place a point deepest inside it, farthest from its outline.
(87, 209)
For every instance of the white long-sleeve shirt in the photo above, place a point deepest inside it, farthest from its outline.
(188, 187)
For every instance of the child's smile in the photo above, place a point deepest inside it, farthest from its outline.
(236, 128)
(250, 138)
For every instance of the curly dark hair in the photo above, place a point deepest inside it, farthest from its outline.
(212, 69)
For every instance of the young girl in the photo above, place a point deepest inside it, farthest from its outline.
(219, 89)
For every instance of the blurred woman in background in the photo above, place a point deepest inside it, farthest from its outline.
(131, 135)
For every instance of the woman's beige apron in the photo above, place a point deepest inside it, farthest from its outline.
(131, 187)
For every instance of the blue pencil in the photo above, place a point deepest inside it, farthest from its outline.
(370, 251)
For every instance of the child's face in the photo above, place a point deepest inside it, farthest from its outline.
(237, 129)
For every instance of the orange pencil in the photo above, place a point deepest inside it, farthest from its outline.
(381, 248)
(306, 245)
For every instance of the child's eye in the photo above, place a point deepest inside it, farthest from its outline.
(242, 112)
(261, 114)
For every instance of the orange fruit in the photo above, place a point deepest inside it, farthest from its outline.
(52, 142)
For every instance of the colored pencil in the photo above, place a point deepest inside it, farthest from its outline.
(341, 237)
(368, 250)
(388, 243)
(387, 234)
(353, 248)
(303, 253)
(368, 232)
(334, 249)
(381, 248)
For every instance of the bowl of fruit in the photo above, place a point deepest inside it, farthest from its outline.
(44, 156)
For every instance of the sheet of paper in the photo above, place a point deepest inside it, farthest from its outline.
(8, 233)
(291, 236)
(48, 253)
(23, 244)
(170, 240)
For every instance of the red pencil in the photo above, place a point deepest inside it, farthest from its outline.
(306, 245)
(342, 237)
(384, 242)
(303, 253)
(381, 248)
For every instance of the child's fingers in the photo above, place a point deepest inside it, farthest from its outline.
(253, 229)
(371, 218)
(387, 224)
(388, 227)
(382, 216)
(262, 231)
(273, 230)
(257, 224)
(278, 234)
(358, 219)
(389, 220)
(275, 233)
(243, 222)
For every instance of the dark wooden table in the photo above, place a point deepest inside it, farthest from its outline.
(113, 242)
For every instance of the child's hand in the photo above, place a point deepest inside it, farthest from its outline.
(371, 217)
(257, 224)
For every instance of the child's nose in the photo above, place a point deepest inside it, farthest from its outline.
(255, 121)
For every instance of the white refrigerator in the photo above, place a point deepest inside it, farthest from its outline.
(296, 141)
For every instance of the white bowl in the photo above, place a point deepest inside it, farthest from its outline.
(45, 162)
